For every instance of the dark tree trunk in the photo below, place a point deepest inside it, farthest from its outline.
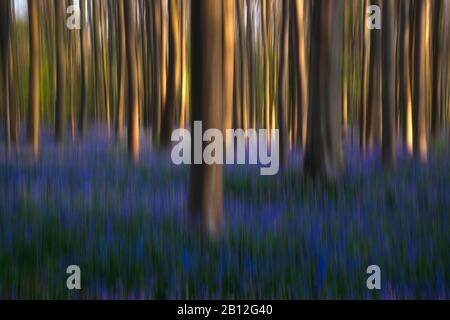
(60, 70)
(34, 98)
(388, 85)
(324, 156)
(173, 83)
(205, 198)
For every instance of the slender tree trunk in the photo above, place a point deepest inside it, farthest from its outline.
(122, 73)
(244, 65)
(282, 87)
(419, 105)
(205, 199)
(157, 70)
(60, 69)
(133, 102)
(228, 61)
(106, 75)
(5, 8)
(301, 70)
(388, 83)
(405, 98)
(84, 71)
(34, 99)
(173, 84)
(184, 67)
(435, 102)
(364, 76)
(373, 108)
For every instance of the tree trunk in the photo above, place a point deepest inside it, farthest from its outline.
(301, 70)
(374, 95)
(282, 87)
(5, 8)
(84, 71)
(34, 98)
(405, 98)
(435, 102)
(173, 84)
(61, 70)
(324, 156)
(205, 199)
(419, 105)
(133, 102)
(388, 85)
(228, 61)
(122, 72)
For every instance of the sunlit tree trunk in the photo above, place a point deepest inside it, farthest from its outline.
(250, 65)
(324, 155)
(122, 64)
(60, 70)
(205, 200)
(266, 67)
(34, 97)
(228, 61)
(173, 83)
(282, 88)
(164, 46)
(388, 83)
(133, 102)
(105, 58)
(419, 125)
(184, 67)
(245, 85)
(84, 71)
(301, 70)
(405, 99)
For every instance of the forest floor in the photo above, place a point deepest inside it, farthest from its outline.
(285, 236)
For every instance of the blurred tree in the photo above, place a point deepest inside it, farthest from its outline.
(122, 71)
(60, 8)
(282, 87)
(34, 89)
(388, 83)
(133, 104)
(419, 82)
(300, 42)
(173, 84)
(84, 71)
(5, 8)
(374, 93)
(205, 190)
(405, 98)
(228, 61)
(436, 104)
(324, 156)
